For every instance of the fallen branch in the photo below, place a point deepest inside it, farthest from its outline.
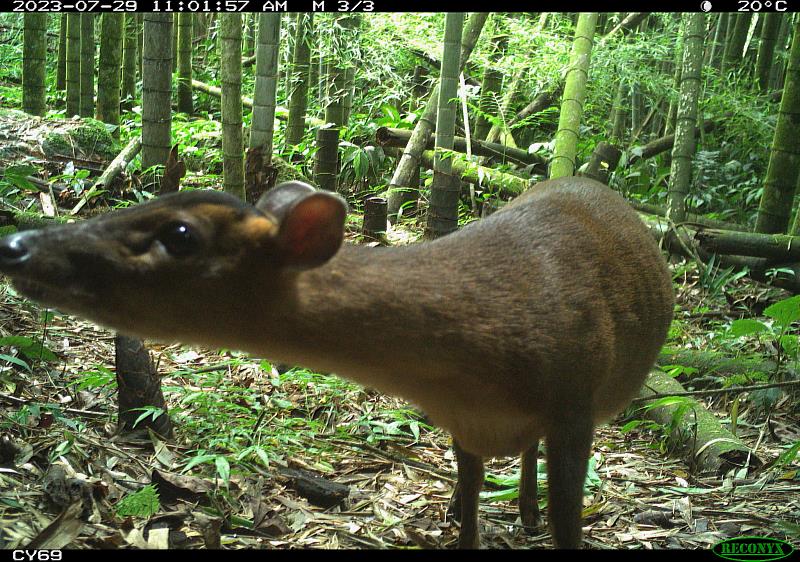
(116, 166)
(386, 136)
(665, 143)
(691, 217)
(683, 241)
(706, 445)
(280, 112)
(715, 391)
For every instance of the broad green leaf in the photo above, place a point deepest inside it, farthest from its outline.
(199, 459)
(16, 341)
(746, 327)
(789, 344)
(785, 312)
(223, 469)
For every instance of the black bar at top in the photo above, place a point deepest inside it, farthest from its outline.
(366, 6)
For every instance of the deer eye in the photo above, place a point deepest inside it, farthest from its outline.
(179, 239)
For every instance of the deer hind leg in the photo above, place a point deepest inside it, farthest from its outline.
(568, 447)
(464, 504)
(528, 494)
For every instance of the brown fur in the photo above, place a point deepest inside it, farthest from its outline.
(539, 321)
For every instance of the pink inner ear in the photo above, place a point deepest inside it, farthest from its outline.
(314, 230)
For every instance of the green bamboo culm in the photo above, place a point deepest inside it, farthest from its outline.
(230, 42)
(443, 208)
(780, 183)
(129, 63)
(266, 83)
(34, 55)
(566, 141)
(298, 89)
(61, 66)
(686, 118)
(88, 49)
(156, 88)
(73, 78)
(108, 80)
(185, 63)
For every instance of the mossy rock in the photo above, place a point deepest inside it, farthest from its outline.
(90, 138)
(14, 114)
(286, 172)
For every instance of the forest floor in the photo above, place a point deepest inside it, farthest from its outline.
(65, 471)
(68, 477)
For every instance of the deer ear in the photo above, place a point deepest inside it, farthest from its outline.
(278, 200)
(311, 223)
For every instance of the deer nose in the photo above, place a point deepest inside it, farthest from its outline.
(13, 252)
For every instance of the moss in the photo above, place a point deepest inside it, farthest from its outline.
(15, 114)
(91, 138)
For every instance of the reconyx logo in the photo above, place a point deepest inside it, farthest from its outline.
(752, 549)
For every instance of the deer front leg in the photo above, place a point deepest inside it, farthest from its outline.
(465, 497)
(528, 493)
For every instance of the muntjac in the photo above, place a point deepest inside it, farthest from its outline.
(539, 321)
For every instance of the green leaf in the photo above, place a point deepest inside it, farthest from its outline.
(789, 455)
(15, 341)
(199, 459)
(37, 350)
(501, 495)
(785, 312)
(15, 361)
(789, 344)
(147, 411)
(223, 469)
(677, 370)
(746, 326)
(144, 503)
(666, 401)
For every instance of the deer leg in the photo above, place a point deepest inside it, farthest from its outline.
(568, 448)
(528, 500)
(470, 482)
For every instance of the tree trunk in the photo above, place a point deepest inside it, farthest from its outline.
(73, 64)
(34, 59)
(657, 146)
(776, 74)
(683, 152)
(61, 68)
(703, 441)
(140, 44)
(299, 90)
(735, 47)
(563, 162)
(266, 83)
(108, 81)
(672, 112)
(778, 247)
(129, 63)
(766, 48)
(488, 103)
(185, 104)
(230, 42)
(87, 65)
(409, 160)
(156, 89)
(618, 116)
(442, 216)
(784, 161)
(326, 159)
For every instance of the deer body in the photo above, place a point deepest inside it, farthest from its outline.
(539, 321)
